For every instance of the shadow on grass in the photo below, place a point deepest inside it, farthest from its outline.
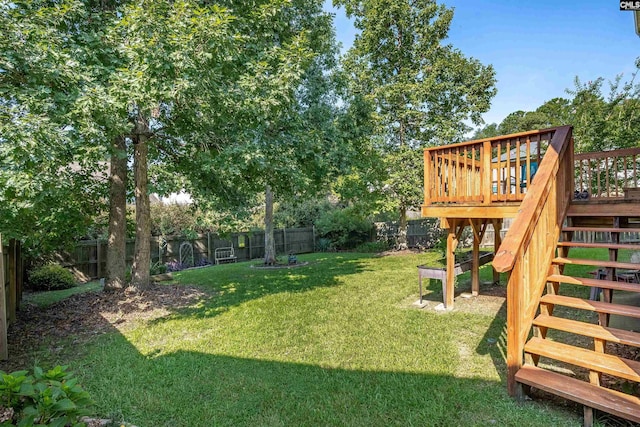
(494, 342)
(195, 389)
(230, 285)
(187, 388)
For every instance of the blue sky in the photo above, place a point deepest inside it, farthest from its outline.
(538, 47)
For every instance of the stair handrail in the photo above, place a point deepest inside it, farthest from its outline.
(528, 248)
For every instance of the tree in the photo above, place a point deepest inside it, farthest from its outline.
(282, 135)
(422, 89)
(606, 123)
(50, 177)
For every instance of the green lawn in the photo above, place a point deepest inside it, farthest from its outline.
(334, 343)
(46, 298)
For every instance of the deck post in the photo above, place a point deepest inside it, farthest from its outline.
(486, 172)
(427, 178)
(452, 244)
(475, 267)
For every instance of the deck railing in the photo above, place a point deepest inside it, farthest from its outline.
(484, 171)
(606, 174)
(528, 248)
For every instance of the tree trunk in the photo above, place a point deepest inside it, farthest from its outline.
(402, 228)
(269, 241)
(116, 243)
(142, 252)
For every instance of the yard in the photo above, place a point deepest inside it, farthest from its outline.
(336, 342)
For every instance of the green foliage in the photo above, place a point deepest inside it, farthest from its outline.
(346, 228)
(51, 398)
(323, 244)
(602, 120)
(158, 268)
(51, 277)
(419, 89)
(294, 213)
(372, 247)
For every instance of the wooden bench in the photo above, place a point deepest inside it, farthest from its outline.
(440, 273)
(224, 255)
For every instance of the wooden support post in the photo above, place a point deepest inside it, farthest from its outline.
(515, 344)
(427, 178)
(452, 243)
(4, 348)
(209, 247)
(475, 269)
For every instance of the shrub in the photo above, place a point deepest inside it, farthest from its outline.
(346, 228)
(157, 268)
(175, 266)
(51, 277)
(44, 398)
(372, 247)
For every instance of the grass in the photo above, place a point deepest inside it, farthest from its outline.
(45, 298)
(334, 343)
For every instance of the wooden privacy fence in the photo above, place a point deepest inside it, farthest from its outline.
(88, 259)
(11, 271)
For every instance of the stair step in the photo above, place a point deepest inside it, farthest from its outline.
(603, 399)
(597, 263)
(588, 359)
(589, 305)
(622, 208)
(618, 336)
(631, 246)
(603, 229)
(596, 283)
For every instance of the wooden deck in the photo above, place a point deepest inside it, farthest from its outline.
(533, 177)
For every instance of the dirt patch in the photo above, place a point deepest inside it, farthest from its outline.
(80, 317)
(393, 252)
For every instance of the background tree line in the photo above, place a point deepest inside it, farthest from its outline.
(605, 115)
(239, 103)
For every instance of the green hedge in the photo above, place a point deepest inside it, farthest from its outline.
(51, 277)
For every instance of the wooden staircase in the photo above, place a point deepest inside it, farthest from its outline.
(570, 351)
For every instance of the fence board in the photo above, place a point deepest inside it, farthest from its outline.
(85, 258)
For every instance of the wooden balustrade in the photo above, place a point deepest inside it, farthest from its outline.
(528, 248)
(606, 174)
(484, 171)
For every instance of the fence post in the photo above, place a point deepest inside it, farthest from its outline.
(313, 233)
(284, 240)
(20, 273)
(4, 349)
(11, 315)
(209, 246)
(98, 259)
(249, 239)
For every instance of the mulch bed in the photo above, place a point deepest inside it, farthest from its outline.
(81, 317)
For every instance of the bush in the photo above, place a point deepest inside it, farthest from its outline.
(44, 398)
(346, 228)
(51, 277)
(372, 247)
(157, 268)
